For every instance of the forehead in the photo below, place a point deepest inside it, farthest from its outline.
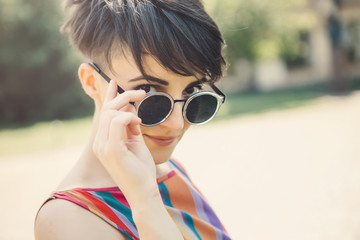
(124, 67)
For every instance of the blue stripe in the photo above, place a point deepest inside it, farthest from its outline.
(180, 170)
(115, 204)
(189, 222)
(165, 194)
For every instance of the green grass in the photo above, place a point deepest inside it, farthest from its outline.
(51, 135)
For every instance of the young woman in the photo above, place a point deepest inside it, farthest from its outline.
(151, 69)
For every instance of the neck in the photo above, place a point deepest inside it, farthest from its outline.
(92, 172)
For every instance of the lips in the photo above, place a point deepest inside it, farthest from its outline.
(161, 140)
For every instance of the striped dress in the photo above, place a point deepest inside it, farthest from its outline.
(183, 201)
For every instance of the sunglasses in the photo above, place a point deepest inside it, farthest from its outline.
(156, 107)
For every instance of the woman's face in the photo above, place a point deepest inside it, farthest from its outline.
(163, 138)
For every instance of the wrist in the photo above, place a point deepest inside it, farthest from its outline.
(147, 204)
(153, 220)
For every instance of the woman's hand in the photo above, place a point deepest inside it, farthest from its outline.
(121, 149)
(120, 146)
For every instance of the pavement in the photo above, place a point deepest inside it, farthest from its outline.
(282, 174)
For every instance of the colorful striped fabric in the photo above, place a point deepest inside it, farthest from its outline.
(183, 201)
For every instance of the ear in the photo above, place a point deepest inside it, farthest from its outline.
(89, 81)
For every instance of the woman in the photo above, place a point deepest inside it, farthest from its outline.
(149, 64)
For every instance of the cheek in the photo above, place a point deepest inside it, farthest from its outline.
(186, 126)
(143, 129)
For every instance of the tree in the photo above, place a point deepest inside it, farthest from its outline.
(256, 30)
(37, 66)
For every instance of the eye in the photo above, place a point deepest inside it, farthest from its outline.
(193, 89)
(147, 88)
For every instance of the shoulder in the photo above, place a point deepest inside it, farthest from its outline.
(61, 220)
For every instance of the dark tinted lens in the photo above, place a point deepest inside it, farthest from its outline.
(154, 109)
(201, 108)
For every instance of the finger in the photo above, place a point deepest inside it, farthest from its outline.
(124, 99)
(135, 144)
(102, 134)
(133, 130)
(105, 121)
(129, 108)
(111, 91)
(119, 124)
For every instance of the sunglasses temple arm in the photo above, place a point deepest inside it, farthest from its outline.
(218, 92)
(97, 69)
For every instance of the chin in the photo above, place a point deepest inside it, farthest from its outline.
(161, 156)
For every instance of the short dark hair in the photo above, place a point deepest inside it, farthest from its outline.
(178, 33)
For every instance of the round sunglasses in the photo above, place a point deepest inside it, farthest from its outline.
(156, 107)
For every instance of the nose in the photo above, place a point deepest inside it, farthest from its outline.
(175, 121)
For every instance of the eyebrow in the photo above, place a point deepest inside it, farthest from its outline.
(151, 79)
(200, 81)
(163, 82)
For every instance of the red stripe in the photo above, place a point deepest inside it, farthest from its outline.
(65, 196)
(107, 212)
(120, 197)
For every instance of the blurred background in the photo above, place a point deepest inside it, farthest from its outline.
(288, 161)
(270, 46)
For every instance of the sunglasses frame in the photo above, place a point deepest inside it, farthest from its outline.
(220, 96)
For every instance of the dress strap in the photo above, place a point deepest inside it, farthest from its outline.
(179, 167)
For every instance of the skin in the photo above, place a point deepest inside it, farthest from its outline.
(174, 126)
(121, 152)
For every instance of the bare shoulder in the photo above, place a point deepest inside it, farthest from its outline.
(62, 220)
